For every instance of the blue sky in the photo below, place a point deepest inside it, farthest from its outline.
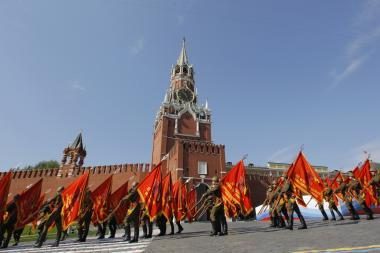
(277, 75)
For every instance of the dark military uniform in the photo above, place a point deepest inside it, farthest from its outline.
(17, 235)
(55, 217)
(322, 210)
(355, 187)
(9, 224)
(214, 197)
(43, 217)
(146, 224)
(343, 188)
(291, 203)
(112, 225)
(85, 218)
(328, 196)
(133, 216)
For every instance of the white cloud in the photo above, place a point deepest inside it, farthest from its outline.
(76, 85)
(286, 154)
(137, 47)
(361, 46)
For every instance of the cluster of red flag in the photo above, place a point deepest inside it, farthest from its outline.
(120, 208)
(5, 183)
(305, 179)
(235, 192)
(100, 197)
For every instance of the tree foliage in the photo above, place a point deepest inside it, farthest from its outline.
(43, 165)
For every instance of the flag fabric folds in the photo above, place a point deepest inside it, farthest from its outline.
(5, 183)
(72, 197)
(115, 199)
(235, 192)
(364, 177)
(191, 200)
(150, 192)
(179, 200)
(28, 203)
(305, 179)
(167, 196)
(100, 197)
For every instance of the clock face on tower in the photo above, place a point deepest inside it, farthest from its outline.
(185, 95)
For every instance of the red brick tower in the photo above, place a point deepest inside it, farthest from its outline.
(76, 153)
(182, 128)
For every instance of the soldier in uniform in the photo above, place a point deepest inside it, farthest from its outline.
(355, 187)
(42, 218)
(10, 222)
(214, 196)
(55, 216)
(343, 189)
(133, 214)
(291, 203)
(279, 208)
(269, 202)
(17, 236)
(328, 196)
(85, 217)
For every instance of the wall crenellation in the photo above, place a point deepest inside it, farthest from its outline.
(103, 169)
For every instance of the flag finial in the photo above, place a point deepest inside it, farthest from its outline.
(244, 157)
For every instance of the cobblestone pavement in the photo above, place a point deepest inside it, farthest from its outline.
(250, 236)
(254, 236)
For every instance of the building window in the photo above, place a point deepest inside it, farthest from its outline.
(202, 168)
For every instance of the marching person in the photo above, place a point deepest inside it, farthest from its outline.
(55, 217)
(328, 195)
(85, 217)
(343, 189)
(133, 214)
(355, 187)
(9, 222)
(292, 206)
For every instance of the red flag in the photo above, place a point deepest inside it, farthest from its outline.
(115, 198)
(72, 198)
(191, 200)
(28, 203)
(179, 200)
(32, 218)
(235, 192)
(305, 178)
(5, 183)
(150, 192)
(356, 172)
(100, 198)
(167, 196)
(365, 177)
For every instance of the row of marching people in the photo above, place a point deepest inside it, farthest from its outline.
(285, 194)
(154, 199)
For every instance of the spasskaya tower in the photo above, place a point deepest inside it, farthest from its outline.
(182, 129)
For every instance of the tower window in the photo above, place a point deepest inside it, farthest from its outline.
(177, 69)
(184, 70)
(202, 168)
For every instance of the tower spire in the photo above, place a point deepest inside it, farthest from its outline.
(182, 59)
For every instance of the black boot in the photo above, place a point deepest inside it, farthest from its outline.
(135, 236)
(180, 228)
(332, 215)
(303, 223)
(325, 217)
(127, 229)
(281, 222)
(340, 214)
(214, 230)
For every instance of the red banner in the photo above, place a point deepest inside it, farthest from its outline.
(100, 198)
(28, 203)
(150, 192)
(305, 179)
(5, 183)
(235, 192)
(191, 200)
(115, 198)
(179, 200)
(167, 196)
(365, 177)
(72, 198)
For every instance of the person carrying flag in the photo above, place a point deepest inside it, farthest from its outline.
(9, 222)
(328, 195)
(133, 214)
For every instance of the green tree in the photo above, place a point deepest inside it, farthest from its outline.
(44, 165)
